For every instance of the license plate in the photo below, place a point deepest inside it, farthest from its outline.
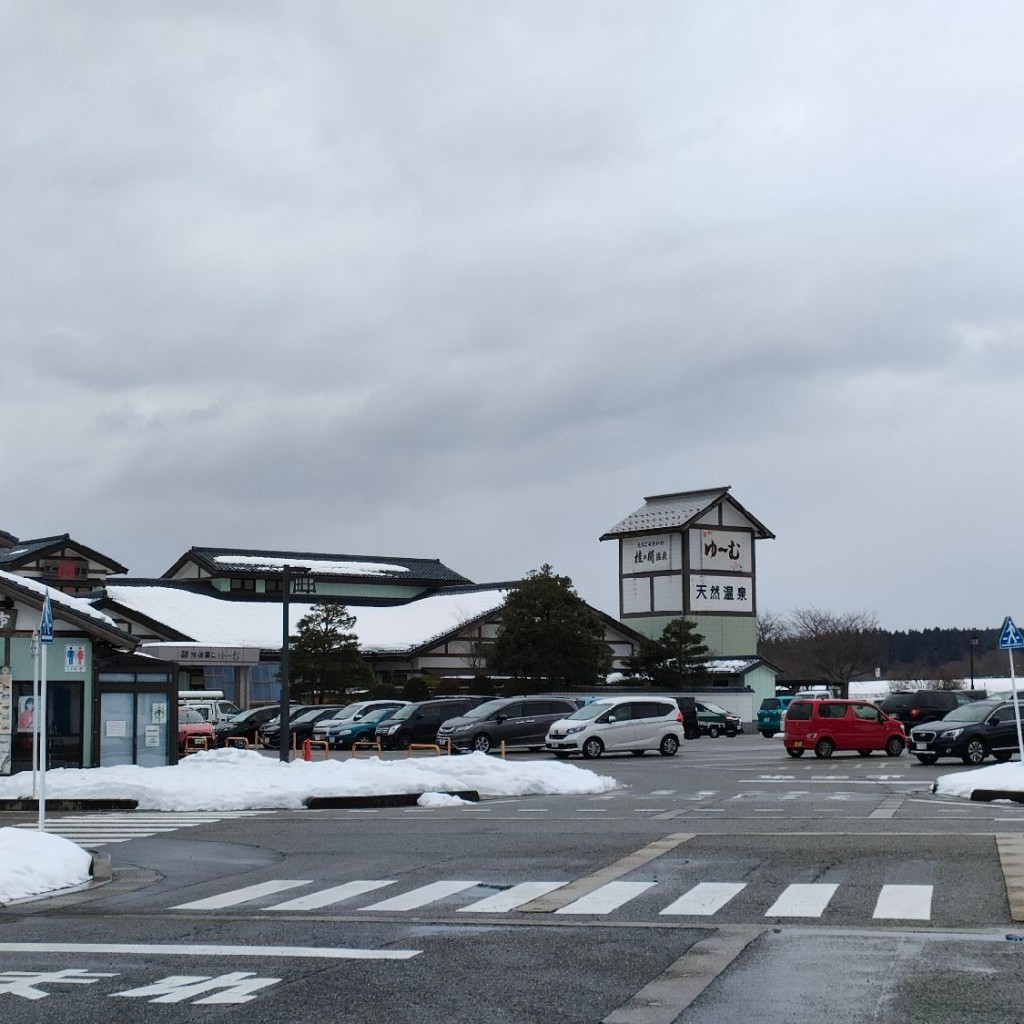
(919, 746)
(798, 743)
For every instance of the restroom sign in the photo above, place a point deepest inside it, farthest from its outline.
(74, 658)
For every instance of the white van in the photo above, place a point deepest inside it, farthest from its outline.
(615, 724)
(212, 706)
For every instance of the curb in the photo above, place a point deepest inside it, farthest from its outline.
(100, 868)
(315, 803)
(84, 804)
(988, 795)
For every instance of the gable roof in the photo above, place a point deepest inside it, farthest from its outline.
(21, 552)
(221, 562)
(679, 510)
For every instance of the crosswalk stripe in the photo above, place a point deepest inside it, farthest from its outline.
(705, 899)
(422, 896)
(802, 900)
(511, 898)
(325, 897)
(605, 899)
(904, 902)
(236, 896)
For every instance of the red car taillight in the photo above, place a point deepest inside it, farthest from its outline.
(679, 716)
(914, 712)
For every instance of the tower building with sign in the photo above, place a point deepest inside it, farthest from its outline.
(691, 555)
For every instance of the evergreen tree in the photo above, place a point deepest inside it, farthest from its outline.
(324, 656)
(548, 633)
(677, 654)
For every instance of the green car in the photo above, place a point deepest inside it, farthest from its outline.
(769, 715)
(714, 720)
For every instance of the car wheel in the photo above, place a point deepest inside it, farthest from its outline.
(1002, 755)
(637, 753)
(893, 746)
(593, 748)
(403, 740)
(864, 753)
(975, 752)
(824, 747)
(795, 751)
(669, 745)
(482, 742)
(767, 733)
(927, 758)
(713, 731)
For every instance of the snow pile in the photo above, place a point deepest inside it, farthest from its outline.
(35, 862)
(232, 780)
(1007, 778)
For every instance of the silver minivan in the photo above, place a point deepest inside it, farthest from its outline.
(612, 724)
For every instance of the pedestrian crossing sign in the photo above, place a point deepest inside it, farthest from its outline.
(1010, 637)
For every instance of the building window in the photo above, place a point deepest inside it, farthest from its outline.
(243, 585)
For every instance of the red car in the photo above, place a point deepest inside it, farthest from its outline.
(191, 723)
(825, 726)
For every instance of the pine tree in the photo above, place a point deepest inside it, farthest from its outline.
(548, 633)
(324, 655)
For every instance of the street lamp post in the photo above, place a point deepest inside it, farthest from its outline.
(286, 722)
(973, 644)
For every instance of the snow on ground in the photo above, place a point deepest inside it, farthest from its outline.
(1007, 778)
(221, 780)
(35, 862)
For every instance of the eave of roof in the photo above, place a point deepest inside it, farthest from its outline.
(677, 511)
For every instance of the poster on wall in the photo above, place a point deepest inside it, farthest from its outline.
(6, 709)
(74, 658)
(721, 594)
(654, 553)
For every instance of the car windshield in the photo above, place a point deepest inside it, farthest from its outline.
(970, 713)
(188, 716)
(377, 716)
(713, 708)
(348, 711)
(485, 710)
(243, 716)
(590, 711)
(403, 713)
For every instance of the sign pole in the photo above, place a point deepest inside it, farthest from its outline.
(1016, 707)
(45, 639)
(35, 713)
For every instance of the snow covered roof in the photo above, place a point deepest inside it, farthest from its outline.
(75, 610)
(222, 622)
(24, 550)
(674, 511)
(250, 561)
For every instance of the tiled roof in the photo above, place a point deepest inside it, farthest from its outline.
(221, 561)
(25, 548)
(674, 511)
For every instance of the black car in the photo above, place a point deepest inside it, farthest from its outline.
(518, 721)
(244, 726)
(970, 732)
(418, 723)
(300, 724)
(913, 707)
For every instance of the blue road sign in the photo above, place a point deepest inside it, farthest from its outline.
(1010, 637)
(46, 622)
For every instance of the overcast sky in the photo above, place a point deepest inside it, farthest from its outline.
(467, 280)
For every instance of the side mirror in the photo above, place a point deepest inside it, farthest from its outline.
(992, 721)
(612, 718)
(500, 718)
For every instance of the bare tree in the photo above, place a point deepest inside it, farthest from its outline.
(772, 628)
(838, 647)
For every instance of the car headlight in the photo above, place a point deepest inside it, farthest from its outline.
(574, 728)
(952, 734)
(391, 728)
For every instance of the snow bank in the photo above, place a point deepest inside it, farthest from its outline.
(34, 862)
(1009, 778)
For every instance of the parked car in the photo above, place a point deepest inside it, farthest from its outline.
(913, 707)
(300, 725)
(419, 722)
(825, 726)
(715, 720)
(192, 724)
(352, 731)
(328, 728)
(769, 715)
(518, 721)
(970, 732)
(213, 710)
(619, 724)
(245, 724)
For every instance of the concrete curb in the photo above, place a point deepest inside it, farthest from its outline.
(989, 795)
(318, 803)
(100, 869)
(84, 804)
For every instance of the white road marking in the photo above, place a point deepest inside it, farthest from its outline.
(511, 898)
(422, 896)
(607, 898)
(295, 952)
(799, 900)
(335, 894)
(237, 896)
(705, 899)
(904, 903)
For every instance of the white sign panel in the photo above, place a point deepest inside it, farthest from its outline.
(652, 554)
(115, 727)
(636, 596)
(74, 658)
(152, 735)
(6, 713)
(722, 593)
(668, 593)
(721, 550)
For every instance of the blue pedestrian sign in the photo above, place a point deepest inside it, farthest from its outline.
(1010, 638)
(46, 623)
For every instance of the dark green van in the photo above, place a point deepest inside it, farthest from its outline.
(769, 715)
